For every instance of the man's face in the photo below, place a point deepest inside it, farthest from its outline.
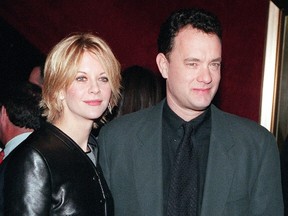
(192, 72)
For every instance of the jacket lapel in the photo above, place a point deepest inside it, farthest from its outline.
(220, 166)
(148, 164)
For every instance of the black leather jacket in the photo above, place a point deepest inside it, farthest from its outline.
(48, 174)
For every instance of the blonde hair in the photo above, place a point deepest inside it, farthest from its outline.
(61, 67)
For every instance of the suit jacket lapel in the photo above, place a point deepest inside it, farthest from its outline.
(148, 164)
(220, 167)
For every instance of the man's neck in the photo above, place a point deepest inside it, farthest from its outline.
(13, 132)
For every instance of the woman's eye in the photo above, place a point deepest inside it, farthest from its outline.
(81, 78)
(103, 79)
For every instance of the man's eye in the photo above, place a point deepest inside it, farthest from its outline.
(215, 65)
(192, 64)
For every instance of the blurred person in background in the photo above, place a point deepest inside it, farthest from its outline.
(141, 88)
(20, 113)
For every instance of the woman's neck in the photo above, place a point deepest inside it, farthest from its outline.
(78, 132)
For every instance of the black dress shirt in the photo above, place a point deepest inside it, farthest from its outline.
(171, 137)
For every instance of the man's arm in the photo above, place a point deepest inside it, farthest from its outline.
(266, 196)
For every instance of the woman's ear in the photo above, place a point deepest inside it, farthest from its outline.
(162, 64)
(61, 95)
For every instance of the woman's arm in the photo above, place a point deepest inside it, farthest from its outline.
(27, 189)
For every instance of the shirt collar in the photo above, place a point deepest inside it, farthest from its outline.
(14, 142)
(176, 122)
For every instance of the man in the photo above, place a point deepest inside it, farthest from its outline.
(232, 163)
(20, 114)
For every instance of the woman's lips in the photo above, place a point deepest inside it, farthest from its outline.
(93, 102)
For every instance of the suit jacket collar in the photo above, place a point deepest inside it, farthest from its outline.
(220, 165)
(148, 163)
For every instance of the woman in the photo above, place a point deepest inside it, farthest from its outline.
(55, 170)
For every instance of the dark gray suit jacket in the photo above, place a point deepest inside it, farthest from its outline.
(242, 177)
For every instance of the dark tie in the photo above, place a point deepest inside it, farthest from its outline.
(183, 191)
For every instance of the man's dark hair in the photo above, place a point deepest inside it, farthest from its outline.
(21, 101)
(197, 18)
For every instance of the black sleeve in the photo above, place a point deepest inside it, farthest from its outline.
(27, 189)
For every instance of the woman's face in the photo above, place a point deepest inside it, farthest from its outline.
(89, 94)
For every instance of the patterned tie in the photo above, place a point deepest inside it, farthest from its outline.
(183, 191)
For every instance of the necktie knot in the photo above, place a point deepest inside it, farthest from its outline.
(188, 129)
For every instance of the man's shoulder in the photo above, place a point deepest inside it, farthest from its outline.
(224, 116)
(136, 118)
(237, 124)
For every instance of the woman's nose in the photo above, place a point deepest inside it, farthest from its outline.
(94, 88)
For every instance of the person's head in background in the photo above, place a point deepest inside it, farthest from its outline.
(141, 88)
(79, 68)
(20, 111)
(36, 75)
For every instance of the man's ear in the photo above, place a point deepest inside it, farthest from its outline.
(162, 64)
(3, 111)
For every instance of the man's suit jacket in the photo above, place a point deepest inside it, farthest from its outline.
(242, 177)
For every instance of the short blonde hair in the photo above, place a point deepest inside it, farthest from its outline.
(61, 67)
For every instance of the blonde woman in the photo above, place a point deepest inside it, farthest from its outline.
(56, 171)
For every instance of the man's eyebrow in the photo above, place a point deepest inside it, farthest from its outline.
(217, 59)
(191, 59)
